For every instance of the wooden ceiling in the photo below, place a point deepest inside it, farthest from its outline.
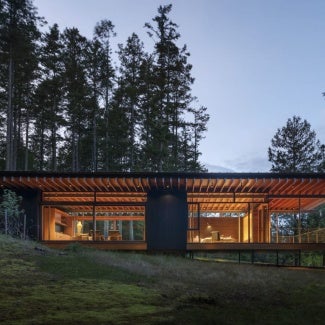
(214, 191)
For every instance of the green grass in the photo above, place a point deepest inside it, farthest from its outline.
(84, 286)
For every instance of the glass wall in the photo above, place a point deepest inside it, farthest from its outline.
(249, 225)
(212, 227)
(90, 222)
(304, 227)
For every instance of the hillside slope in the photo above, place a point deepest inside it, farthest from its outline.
(83, 286)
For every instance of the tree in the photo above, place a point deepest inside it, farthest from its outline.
(48, 102)
(11, 221)
(95, 58)
(198, 127)
(64, 106)
(128, 97)
(171, 97)
(18, 47)
(321, 167)
(104, 31)
(294, 148)
(77, 94)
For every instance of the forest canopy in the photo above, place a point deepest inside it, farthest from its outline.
(64, 105)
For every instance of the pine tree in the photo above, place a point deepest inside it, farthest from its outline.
(321, 167)
(18, 47)
(11, 221)
(171, 99)
(128, 96)
(198, 127)
(76, 99)
(146, 120)
(48, 103)
(295, 148)
(104, 31)
(95, 60)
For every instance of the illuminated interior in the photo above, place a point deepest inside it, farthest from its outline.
(93, 216)
(222, 208)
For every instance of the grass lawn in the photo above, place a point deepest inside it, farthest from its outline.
(84, 286)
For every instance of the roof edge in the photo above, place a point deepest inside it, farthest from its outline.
(236, 175)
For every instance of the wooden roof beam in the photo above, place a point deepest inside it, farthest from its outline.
(101, 183)
(239, 186)
(126, 184)
(110, 185)
(80, 185)
(222, 185)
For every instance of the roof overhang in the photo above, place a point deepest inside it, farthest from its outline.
(214, 191)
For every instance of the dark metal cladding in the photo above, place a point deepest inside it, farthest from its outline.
(166, 220)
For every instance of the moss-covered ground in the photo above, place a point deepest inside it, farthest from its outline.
(84, 286)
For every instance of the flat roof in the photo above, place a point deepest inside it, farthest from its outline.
(213, 191)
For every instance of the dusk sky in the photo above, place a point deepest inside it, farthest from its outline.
(256, 63)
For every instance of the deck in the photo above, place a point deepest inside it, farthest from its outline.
(255, 247)
(142, 246)
(105, 245)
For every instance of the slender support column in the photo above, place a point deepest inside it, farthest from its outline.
(239, 229)
(249, 223)
(277, 227)
(94, 217)
(299, 221)
(259, 213)
(131, 234)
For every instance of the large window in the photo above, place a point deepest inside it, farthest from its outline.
(247, 225)
(93, 216)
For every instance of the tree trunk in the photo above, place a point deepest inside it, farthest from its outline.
(53, 145)
(9, 156)
(94, 151)
(26, 140)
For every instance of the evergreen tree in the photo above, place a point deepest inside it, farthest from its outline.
(76, 99)
(19, 63)
(295, 148)
(104, 31)
(321, 167)
(95, 61)
(197, 129)
(118, 137)
(11, 220)
(128, 97)
(172, 98)
(48, 103)
(146, 122)
(63, 105)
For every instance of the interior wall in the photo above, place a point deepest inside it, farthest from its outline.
(48, 223)
(51, 217)
(253, 227)
(226, 226)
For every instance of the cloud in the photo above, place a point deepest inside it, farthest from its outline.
(250, 164)
(217, 169)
